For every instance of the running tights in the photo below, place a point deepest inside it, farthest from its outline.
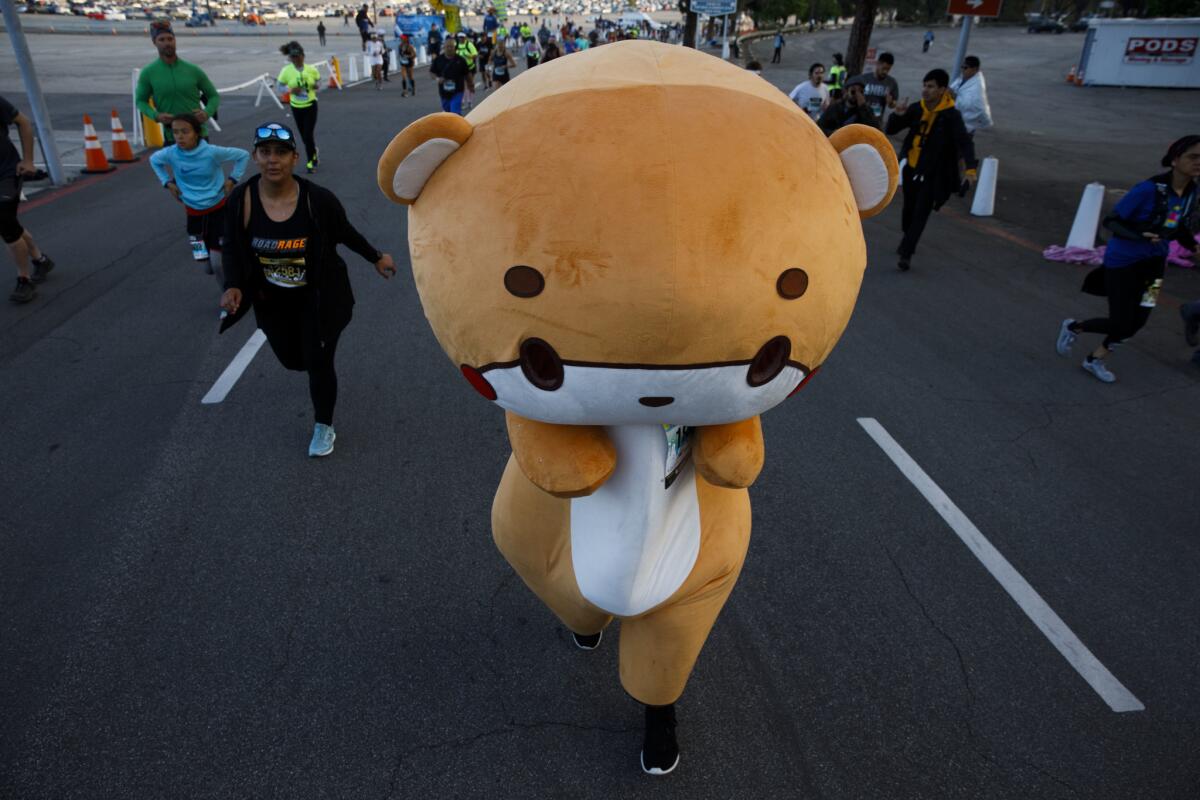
(1126, 314)
(306, 121)
(299, 347)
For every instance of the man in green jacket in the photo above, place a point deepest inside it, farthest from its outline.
(175, 85)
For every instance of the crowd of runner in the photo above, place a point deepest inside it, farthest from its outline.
(271, 240)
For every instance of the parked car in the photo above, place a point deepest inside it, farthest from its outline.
(1080, 25)
(1045, 25)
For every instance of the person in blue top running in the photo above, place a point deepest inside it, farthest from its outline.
(1144, 222)
(193, 171)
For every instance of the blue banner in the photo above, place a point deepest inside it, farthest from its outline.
(417, 26)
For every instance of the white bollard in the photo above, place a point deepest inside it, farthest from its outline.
(984, 204)
(366, 66)
(1087, 218)
(352, 62)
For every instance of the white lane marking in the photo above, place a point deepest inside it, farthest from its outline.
(235, 369)
(1049, 623)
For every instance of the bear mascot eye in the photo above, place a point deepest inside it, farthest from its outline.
(792, 283)
(541, 365)
(522, 281)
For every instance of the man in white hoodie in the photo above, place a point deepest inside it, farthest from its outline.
(970, 96)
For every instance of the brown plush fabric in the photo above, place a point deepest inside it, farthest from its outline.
(659, 648)
(636, 206)
(729, 456)
(564, 460)
(435, 126)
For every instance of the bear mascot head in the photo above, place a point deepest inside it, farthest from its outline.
(635, 250)
(634, 223)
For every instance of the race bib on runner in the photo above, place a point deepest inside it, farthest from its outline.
(500, 70)
(679, 448)
(450, 86)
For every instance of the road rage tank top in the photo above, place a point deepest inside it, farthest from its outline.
(281, 248)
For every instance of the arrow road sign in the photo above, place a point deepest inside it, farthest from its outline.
(975, 8)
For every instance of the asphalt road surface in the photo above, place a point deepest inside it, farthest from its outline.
(190, 607)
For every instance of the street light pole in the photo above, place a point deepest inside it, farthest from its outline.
(37, 102)
(963, 37)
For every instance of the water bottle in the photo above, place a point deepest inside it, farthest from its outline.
(199, 248)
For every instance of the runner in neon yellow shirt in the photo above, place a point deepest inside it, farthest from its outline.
(301, 80)
(466, 48)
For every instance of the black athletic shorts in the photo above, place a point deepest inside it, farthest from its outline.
(208, 226)
(10, 198)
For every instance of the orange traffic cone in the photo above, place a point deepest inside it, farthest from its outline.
(1079, 78)
(122, 153)
(1071, 75)
(96, 162)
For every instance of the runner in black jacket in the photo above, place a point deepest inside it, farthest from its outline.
(281, 240)
(939, 153)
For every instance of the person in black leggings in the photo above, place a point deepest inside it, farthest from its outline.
(1152, 214)
(282, 233)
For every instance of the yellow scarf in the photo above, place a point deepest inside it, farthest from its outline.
(927, 117)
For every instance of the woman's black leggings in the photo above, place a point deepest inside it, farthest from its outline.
(1126, 314)
(299, 346)
(306, 121)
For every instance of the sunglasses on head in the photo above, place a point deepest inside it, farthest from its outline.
(267, 132)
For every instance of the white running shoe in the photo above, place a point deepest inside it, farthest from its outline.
(1097, 368)
(1066, 338)
(322, 441)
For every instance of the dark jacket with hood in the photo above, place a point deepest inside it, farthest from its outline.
(942, 146)
(329, 294)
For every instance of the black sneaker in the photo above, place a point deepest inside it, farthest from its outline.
(904, 264)
(24, 292)
(660, 751)
(587, 642)
(41, 269)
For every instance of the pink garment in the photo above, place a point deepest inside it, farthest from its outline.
(1180, 257)
(1074, 255)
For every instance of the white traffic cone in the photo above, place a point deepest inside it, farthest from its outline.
(1087, 218)
(984, 204)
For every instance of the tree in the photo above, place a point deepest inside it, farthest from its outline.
(860, 35)
(769, 13)
(689, 23)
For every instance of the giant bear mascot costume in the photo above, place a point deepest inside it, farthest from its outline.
(666, 247)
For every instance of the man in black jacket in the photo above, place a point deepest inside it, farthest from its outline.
(851, 109)
(939, 153)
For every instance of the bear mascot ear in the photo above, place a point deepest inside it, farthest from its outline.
(416, 152)
(870, 163)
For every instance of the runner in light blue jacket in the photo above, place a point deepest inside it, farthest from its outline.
(192, 170)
